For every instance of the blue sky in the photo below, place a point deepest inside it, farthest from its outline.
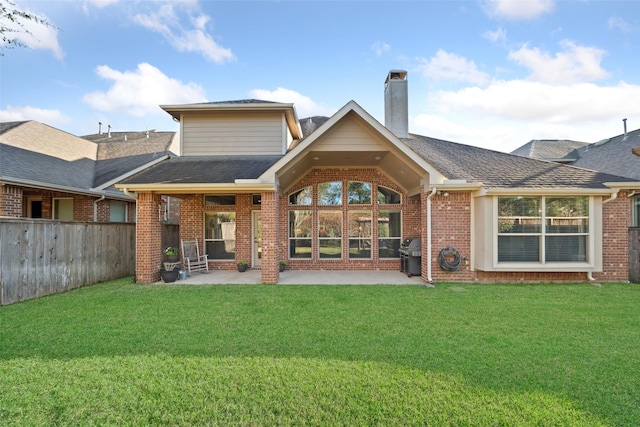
(489, 73)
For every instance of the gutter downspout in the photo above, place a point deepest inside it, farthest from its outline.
(95, 207)
(433, 192)
(614, 196)
(126, 191)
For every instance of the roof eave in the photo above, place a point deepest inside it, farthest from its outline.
(238, 187)
(46, 186)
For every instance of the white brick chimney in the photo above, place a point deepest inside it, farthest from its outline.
(396, 103)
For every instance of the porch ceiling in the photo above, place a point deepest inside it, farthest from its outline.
(403, 171)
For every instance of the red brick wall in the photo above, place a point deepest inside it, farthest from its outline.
(14, 197)
(148, 239)
(11, 201)
(270, 232)
(616, 218)
(451, 227)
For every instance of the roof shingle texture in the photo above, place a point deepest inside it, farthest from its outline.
(548, 149)
(501, 170)
(613, 155)
(204, 170)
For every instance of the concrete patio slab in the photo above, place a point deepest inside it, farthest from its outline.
(302, 277)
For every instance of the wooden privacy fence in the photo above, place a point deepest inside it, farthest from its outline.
(43, 257)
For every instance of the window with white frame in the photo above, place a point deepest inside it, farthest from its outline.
(302, 197)
(220, 235)
(636, 211)
(387, 196)
(540, 229)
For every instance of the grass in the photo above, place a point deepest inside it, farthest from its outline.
(124, 354)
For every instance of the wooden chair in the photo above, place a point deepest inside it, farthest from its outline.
(191, 258)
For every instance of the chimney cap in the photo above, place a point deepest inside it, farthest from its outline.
(396, 75)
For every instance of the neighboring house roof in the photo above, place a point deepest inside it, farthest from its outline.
(613, 155)
(38, 155)
(549, 149)
(310, 124)
(495, 169)
(204, 170)
(123, 152)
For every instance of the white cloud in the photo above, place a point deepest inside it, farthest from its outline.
(380, 48)
(573, 65)
(617, 23)
(524, 100)
(18, 114)
(449, 66)
(507, 114)
(305, 106)
(35, 35)
(517, 9)
(499, 35)
(191, 38)
(139, 92)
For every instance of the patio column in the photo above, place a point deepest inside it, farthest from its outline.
(148, 238)
(424, 235)
(269, 209)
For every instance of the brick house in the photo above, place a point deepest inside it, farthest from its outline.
(343, 193)
(48, 173)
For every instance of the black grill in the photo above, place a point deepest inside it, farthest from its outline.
(411, 257)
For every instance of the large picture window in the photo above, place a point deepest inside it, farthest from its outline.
(303, 197)
(359, 234)
(330, 193)
(330, 234)
(220, 235)
(543, 229)
(300, 229)
(389, 234)
(359, 193)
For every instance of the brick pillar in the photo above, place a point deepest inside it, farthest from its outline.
(270, 238)
(424, 237)
(148, 239)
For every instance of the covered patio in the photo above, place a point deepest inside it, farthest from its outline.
(301, 277)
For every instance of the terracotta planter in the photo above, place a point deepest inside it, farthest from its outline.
(172, 258)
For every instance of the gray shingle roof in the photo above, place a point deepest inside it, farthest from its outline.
(126, 151)
(203, 170)
(35, 152)
(548, 149)
(612, 155)
(501, 170)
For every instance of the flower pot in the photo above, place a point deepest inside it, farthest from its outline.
(172, 258)
(170, 276)
(242, 268)
(282, 267)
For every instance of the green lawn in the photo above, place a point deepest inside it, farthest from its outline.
(486, 355)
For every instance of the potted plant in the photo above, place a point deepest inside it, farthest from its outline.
(242, 265)
(171, 254)
(169, 276)
(283, 264)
